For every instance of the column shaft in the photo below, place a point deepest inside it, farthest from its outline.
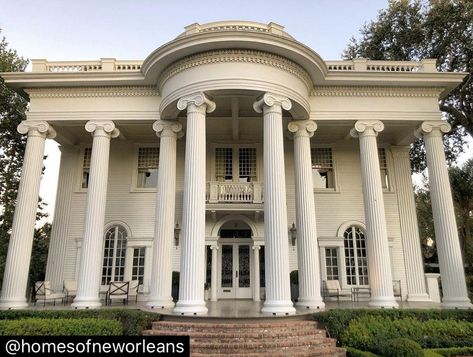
(256, 280)
(213, 279)
(161, 272)
(455, 293)
(191, 284)
(15, 278)
(278, 290)
(379, 262)
(307, 247)
(91, 261)
(416, 287)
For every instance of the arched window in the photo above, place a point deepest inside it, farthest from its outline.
(356, 264)
(114, 255)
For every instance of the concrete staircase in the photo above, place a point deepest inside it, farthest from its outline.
(296, 336)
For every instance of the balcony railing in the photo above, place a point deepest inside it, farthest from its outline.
(234, 192)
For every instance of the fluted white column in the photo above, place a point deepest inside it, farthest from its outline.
(191, 284)
(416, 287)
(213, 275)
(454, 289)
(91, 261)
(307, 246)
(15, 278)
(376, 232)
(161, 271)
(278, 290)
(256, 280)
(60, 229)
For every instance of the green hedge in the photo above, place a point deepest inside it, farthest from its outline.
(34, 326)
(453, 351)
(132, 322)
(372, 333)
(337, 321)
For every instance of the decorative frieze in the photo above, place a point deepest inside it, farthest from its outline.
(349, 91)
(121, 91)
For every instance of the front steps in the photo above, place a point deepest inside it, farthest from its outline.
(250, 337)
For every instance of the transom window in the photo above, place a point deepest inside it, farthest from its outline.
(356, 263)
(148, 159)
(383, 166)
(235, 164)
(86, 167)
(114, 255)
(331, 263)
(322, 168)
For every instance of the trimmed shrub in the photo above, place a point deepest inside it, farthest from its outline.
(337, 321)
(402, 347)
(353, 352)
(34, 326)
(370, 333)
(453, 351)
(133, 322)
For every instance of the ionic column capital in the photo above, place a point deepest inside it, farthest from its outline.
(270, 100)
(196, 102)
(36, 128)
(302, 128)
(256, 247)
(102, 128)
(432, 128)
(168, 128)
(367, 128)
(214, 247)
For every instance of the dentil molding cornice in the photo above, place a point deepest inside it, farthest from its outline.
(119, 91)
(347, 91)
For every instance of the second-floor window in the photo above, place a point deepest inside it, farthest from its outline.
(86, 167)
(235, 164)
(322, 168)
(148, 159)
(383, 167)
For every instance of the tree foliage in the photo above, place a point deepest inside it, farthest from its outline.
(415, 30)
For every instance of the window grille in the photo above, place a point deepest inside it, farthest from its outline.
(331, 263)
(138, 269)
(148, 161)
(383, 167)
(356, 263)
(247, 159)
(86, 167)
(114, 255)
(322, 168)
(224, 164)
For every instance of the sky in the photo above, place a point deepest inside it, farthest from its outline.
(132, 29)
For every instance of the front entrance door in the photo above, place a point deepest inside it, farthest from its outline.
(235, 271)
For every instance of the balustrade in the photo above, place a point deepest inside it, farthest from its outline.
(234, 192)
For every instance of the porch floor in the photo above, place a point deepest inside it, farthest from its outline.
(245, 308)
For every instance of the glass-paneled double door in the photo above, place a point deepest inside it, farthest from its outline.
(235, 265)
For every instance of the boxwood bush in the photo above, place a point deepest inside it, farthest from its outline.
(371, 333)
(34, 326)
(401, 347)
(132, 322)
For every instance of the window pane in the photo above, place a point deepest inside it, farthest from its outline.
(224, 164)
(114, 255)
(148, 159)
(322, 168)
(383, 166)
(331, 263)
(138, 264)
(86, 167)
(247, 158)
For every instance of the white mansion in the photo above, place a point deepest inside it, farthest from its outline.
(267, 159)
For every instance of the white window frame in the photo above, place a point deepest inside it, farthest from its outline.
(114, 257)
(335, 188)
(355, 251)
(337, 251)
(134, 176)
(80, 167)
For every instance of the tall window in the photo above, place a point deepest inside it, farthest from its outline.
(86, 167)
(383, 166)
(148, 158)
(356, 263)
(138, 269)
(322, 168)
(331, 263)
(114, 255)
(235, 165)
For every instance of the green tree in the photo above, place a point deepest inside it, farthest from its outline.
(39, 254)
(414, 30)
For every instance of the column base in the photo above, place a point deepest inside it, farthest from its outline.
(156, 303)
(86, 303)
(418, 298)
(13, 303)
(383, 302)
(310, 304)
(190, 308)
(457, 303)
(278, 308)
